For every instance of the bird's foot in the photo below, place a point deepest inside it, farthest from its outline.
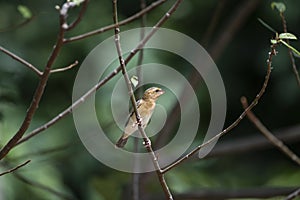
(137, 123)
(147, 143)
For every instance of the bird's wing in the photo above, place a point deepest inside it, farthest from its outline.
(138, 104)
(130, 127)
(131, 121)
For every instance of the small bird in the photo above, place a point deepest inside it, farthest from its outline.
(145, 107)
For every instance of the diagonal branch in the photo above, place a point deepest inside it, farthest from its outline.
(22, 61)
(15, 168)
(274, 140)
(293, 195)
(257, 143)
(237, 193)
(238, 120)
(110, 27)
(33, 68)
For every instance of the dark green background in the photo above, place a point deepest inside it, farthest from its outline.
(73, 171)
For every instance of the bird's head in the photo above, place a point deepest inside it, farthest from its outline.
(153, 93)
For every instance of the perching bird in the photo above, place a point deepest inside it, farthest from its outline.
(145, 107)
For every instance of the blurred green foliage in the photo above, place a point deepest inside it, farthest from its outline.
(73, 171)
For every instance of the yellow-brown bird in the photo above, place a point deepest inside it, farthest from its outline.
(145, 107)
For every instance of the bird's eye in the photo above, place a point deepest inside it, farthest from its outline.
(157, 90)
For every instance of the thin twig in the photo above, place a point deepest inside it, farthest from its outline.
(290, 51)
(65, 68)
(236, 193)
(15, 168)
(256, 143)
(121, 23)
(22, 61)
(79, 16)
(238, 120)
(270, 136)
(42, 83)
(33, 68)
(293, 195)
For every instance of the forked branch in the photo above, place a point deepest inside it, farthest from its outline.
(42, 83)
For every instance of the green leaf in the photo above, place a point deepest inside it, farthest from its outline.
(287, 36)
(78, 2)
(134, 80)
(279, 6)
(24, 11)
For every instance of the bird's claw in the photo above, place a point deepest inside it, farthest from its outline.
(137, 123)
(147, 143)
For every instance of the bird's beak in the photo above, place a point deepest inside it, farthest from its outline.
(161, 92)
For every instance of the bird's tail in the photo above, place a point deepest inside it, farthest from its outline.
(121, 142)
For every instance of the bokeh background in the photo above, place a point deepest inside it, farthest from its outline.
(239, 45)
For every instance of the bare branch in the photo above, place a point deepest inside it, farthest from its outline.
(237, 121)
(121, 23)
(252, 143)
(293, 195)
(22, 61)
(79, 16)
(15, 168)
(65, 68)
(290, 51)
(270, 136)
(245, 193)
